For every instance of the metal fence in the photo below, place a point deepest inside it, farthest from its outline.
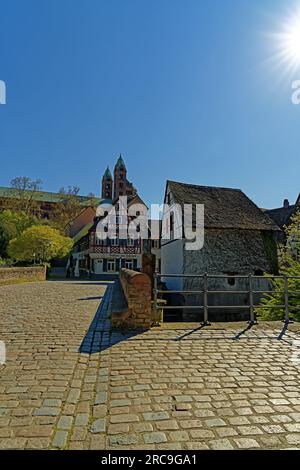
(205, 307)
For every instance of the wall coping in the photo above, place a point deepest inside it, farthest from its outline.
(134, 276)
(23, 268)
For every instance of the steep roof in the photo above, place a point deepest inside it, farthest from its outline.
(107, 174)
(83, 232)
(120, 162)
(136, 199)
(44, 196)
(282, 216)
(223, 207)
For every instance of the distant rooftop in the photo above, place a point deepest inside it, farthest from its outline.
(282, 215)
(45, 196)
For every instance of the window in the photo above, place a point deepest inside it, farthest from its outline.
(171, 222)
(111, 265)
(114, 242)
(130, 242)
(258, 272)
(231, 279)
(128, 263)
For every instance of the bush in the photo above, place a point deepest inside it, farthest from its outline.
(289, 266)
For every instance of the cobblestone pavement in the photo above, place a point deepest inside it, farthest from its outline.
(179, 388)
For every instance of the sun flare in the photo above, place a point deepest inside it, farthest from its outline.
(291, 41)
(286, 43)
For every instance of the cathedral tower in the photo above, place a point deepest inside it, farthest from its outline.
(120, 181)
(107, 185)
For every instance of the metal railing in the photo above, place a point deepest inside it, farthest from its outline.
(250, 292)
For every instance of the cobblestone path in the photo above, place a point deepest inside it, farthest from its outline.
(69, 382)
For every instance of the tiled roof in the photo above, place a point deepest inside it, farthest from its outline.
(282, 216)
(223, 207)
(82, 233)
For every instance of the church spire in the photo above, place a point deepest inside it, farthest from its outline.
(120, 181)
(120, 163)
(107, 184)
(107, 173)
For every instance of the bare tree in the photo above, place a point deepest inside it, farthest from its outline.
(66, 209)
(25, 191)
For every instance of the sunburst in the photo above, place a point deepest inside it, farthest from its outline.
(285, 44)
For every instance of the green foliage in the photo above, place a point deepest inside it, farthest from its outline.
(289, 266)
(39, 244)
(12, 224)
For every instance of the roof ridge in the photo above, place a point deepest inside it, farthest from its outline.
(292, 206)
(205, 186)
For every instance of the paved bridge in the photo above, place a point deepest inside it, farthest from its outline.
(69, 382)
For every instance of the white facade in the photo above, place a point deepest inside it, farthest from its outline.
(172, 262)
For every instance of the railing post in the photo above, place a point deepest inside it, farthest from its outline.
(251, 302)
(205, 300)
(286, 300)
(155, 287)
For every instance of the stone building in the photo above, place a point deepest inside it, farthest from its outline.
(239, 239)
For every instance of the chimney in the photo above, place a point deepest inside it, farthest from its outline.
(286, 204)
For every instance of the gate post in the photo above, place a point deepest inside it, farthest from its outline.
(155, 286)
(205, 300)
(286, 301)
(251, 302)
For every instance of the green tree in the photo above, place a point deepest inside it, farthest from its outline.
(39, 243)
(12, 224)
(289, 258)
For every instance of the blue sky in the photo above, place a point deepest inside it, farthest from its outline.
(182, 88)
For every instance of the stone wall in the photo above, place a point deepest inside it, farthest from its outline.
(27, 274)
(136, 287)
(226, 252)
